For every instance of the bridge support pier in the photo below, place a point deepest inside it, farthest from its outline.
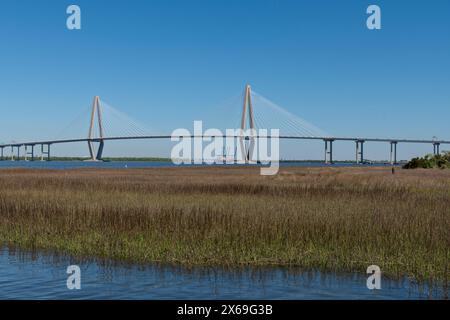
(2, 158)
(96, 156)
(100, 150)
(96, 110)
(247, 143)
(43, 152)
(31, 153)
(91, 150)
(359, 151)
(328, 151)
(393, 157)
(436, 146)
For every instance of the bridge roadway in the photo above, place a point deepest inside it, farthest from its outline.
(328, 143)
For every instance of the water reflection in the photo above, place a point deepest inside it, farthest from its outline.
(37, 275)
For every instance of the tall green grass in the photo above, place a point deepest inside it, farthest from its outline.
(329, 219)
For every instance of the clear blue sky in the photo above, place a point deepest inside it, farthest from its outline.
(166, 62)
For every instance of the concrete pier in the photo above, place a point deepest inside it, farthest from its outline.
(436, 147)
(29, 153)
(359, 151)
(43, 152)
(393, 156)
(328, 150)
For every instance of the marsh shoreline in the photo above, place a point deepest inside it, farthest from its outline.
(329, 219)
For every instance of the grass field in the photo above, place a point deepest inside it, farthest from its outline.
(336, 219)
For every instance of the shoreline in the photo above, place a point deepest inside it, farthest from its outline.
(331, 219)
(157, 159)
(295, 282)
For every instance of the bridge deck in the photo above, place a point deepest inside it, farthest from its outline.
(48, 142)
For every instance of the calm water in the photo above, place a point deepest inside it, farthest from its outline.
(25, 275)
(138, 164)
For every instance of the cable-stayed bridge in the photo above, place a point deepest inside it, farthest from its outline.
(256, 112)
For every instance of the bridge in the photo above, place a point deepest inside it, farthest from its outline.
(28, 148)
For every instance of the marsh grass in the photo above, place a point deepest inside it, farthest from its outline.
(334, 219)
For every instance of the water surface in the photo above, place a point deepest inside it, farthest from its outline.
(26, 275)
(146, 164)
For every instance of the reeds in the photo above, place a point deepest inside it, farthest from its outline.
(337, 219)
